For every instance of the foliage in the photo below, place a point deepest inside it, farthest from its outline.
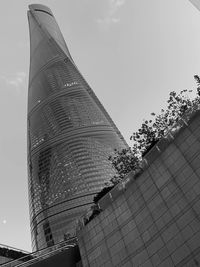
(151, 131)
(124, 161)
(197, 79)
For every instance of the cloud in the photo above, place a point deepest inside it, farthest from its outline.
(16, 81)
(108, 20)
(110, 17)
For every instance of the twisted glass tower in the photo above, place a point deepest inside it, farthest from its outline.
(70, 135)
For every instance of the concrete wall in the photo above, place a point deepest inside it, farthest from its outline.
(154, 219)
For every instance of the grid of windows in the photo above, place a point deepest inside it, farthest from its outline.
(69, 168)
(70, 135)
(63, 114)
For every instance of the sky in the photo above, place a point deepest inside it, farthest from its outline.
(131, 52)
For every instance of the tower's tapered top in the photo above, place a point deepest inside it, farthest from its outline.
(46, 44)
(39, 7)
(42, 16)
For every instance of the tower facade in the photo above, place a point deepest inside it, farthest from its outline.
(70, 135)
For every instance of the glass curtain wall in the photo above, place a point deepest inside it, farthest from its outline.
(70, 135)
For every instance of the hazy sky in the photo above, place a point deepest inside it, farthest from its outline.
(131, 52)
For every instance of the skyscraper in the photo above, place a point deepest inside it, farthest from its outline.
(70, 135)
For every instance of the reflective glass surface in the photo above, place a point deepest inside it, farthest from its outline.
(70, 135)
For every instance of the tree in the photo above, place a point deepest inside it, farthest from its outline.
(125, 161)
(151, 131)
